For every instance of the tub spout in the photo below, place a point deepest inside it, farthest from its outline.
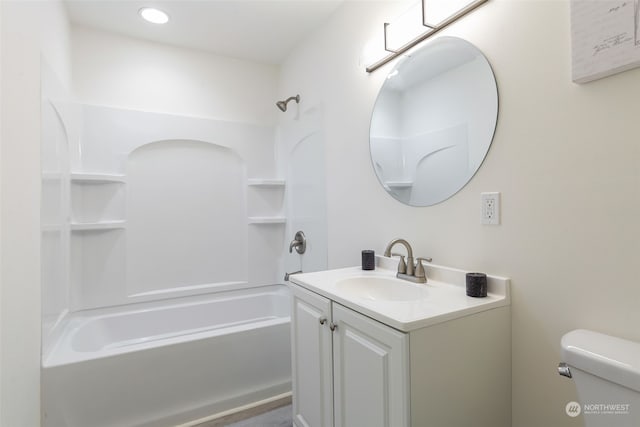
(286, 275)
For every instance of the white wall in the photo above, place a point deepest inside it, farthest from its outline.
(564, 157)
(29, 30)
(123, 72)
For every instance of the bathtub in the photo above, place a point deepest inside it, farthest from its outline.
(165, 363)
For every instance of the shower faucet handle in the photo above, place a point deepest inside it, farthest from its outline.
(299, 242)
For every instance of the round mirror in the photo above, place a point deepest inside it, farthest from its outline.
(433, 121)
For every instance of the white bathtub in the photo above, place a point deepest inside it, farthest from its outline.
(161, 364)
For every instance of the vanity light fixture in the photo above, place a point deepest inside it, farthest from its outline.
(153, 15)
(432, 28)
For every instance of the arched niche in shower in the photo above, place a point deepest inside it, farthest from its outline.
(186, 225)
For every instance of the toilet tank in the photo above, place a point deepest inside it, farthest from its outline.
(606, 371)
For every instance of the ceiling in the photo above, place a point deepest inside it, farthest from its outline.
(257, 30)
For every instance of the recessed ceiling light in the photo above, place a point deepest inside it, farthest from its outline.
(154, 16)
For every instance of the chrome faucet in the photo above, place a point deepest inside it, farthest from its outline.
(409, 271)
(299, 242)
(387, 253)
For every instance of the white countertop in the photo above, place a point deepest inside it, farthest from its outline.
(446, 295)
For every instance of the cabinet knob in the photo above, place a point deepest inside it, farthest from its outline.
(333, 326)
(323, 320)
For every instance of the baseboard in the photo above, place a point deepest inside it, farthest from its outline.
(204, 412)
(242, 412)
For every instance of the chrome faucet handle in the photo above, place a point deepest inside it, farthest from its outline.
(420, 274)
(299, 242)
(411, 268)
(402, 266)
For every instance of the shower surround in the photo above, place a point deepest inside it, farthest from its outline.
(161, 237)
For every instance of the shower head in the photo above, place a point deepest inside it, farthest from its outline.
(282, 105)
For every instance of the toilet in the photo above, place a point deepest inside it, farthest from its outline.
(606, 371)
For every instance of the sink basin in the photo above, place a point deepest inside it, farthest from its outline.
(401, 304)
(381, 289)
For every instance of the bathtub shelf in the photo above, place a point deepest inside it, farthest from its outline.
(100, 225)
(265, 201)
(399, 184)
(267, 220)
(97, 201)
(96, 178)
(260, 182)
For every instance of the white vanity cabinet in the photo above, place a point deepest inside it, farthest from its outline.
(370, 373)
(348, 370)
(311, 359)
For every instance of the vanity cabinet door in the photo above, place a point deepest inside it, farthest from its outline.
(371, 372)
(311, 359)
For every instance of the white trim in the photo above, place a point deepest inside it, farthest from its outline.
(236, 410)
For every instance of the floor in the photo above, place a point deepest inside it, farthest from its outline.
(274, 414)
(279, 417)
